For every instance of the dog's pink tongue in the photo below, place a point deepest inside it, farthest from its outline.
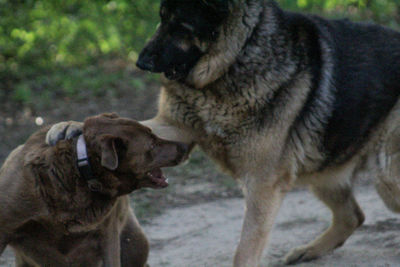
(158, 178)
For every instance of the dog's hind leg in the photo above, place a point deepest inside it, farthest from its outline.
(346, 217)
(388, 181)
(388, 171)
(262, 204)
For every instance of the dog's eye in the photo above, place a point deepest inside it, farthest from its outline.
(163, 12)
(187, 26)
(152, 146)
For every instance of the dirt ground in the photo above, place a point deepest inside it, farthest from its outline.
(205, 235)
(196, 222)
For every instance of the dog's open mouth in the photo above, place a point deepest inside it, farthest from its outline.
(175, 74)
(157, 178)
(172, 75)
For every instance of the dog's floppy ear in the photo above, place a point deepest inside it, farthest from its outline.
(112, 115)
(111, 150)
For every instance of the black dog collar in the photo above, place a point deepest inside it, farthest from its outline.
(84, 165)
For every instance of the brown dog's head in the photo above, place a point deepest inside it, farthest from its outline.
(128, 153)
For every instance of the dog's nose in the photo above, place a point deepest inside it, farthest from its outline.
(145, 63)
(183, 148)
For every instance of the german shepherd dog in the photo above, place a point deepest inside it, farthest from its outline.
(279, 98)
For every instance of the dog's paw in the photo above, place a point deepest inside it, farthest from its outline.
(302, 254)
(63, 131)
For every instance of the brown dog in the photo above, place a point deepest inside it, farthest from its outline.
(54, 213)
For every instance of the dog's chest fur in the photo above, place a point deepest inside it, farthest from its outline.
(227, 123)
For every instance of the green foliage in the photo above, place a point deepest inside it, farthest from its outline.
(22, 93)
(381, 11)
(52, 47)
(46, 32)
(57, 44)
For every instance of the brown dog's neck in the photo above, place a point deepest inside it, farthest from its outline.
(60, 186)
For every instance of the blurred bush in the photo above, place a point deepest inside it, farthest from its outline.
(45, 32)
(41, 40)
(381, 11)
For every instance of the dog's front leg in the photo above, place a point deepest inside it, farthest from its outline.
(62, 131)
(169, 132)
(112, 248)
(262, 203)
(70, 129)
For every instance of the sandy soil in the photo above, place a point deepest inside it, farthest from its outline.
(206, 234)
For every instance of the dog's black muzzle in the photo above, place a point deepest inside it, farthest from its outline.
(146, 62)
(166, 56)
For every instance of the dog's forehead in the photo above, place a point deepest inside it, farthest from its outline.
(129, 126)
(200, 14)
(184, 9)
(104, 124)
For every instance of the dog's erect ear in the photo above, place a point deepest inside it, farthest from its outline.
(111, 150)
(218, 5)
